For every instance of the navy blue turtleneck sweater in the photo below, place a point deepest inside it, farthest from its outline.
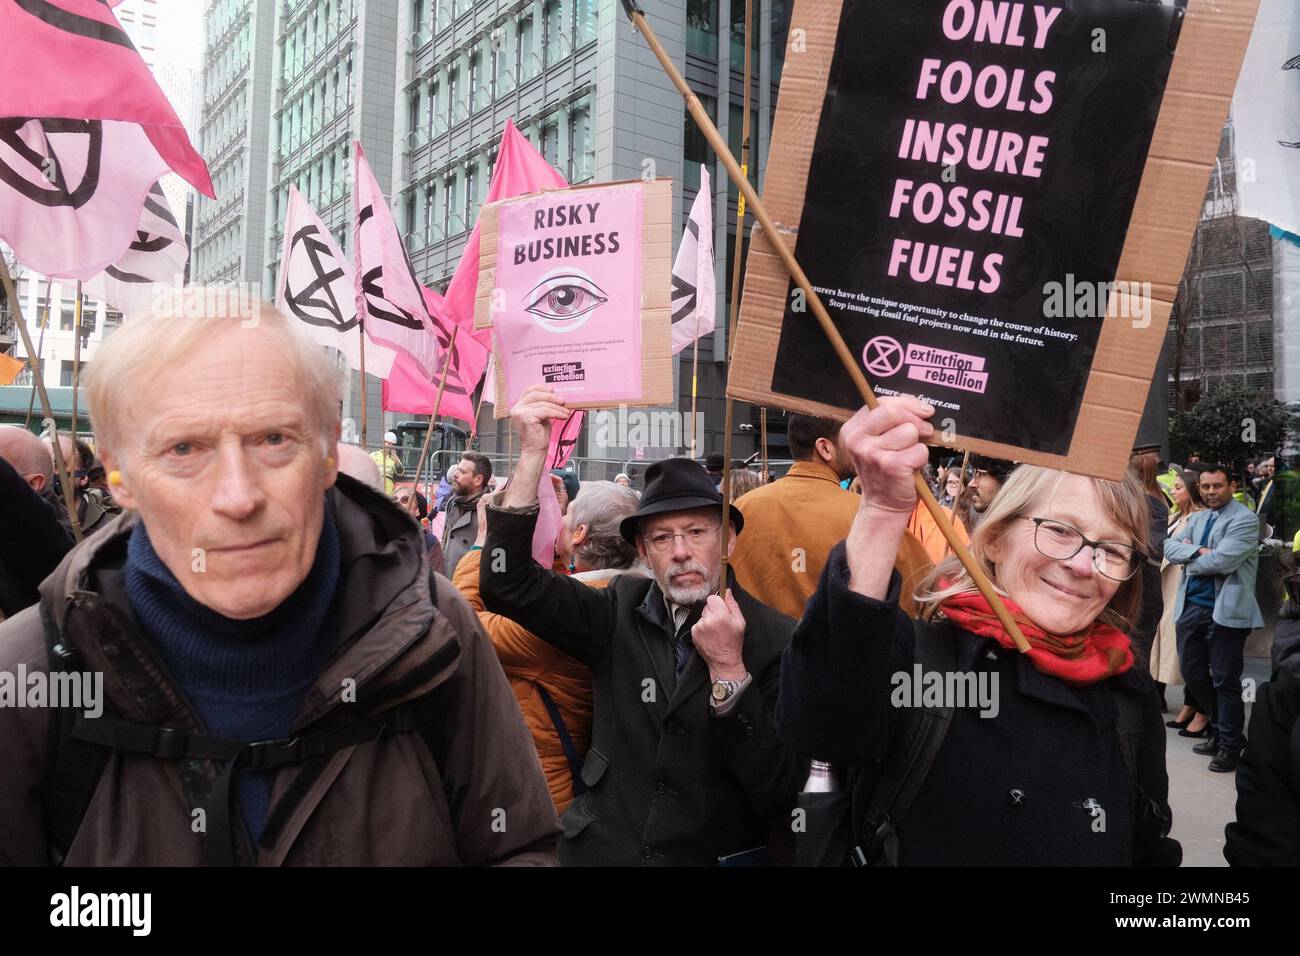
(246, 679)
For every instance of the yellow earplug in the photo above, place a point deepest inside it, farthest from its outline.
(329, 462)
(115, 477)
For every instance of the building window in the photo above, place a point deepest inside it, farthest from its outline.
(581, 165)
(697, 149)
(736, 117)
(67, 315)
(471, 192)
(549, 146)
(65, 373)
(702, 28)
(528, 61)
(584, 15)
(456, 106)
(478, 90)
(738, 35)
(556, 41)
(430, 224)
(498, 65)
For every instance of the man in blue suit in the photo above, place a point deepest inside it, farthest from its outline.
(1216, 610)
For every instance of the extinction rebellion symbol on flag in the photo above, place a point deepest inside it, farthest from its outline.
(325, 307)
(38, 174)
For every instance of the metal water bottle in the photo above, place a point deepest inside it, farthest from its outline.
(822, 778)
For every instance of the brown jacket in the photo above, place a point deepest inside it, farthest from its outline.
(381, 802)
(791, 526)
(529, 662)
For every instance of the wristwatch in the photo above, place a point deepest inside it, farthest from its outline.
(724, 690)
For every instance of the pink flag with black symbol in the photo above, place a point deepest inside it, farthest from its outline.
(564, 438)
(71, 60)
(520, 169)
(390, 300)
(72, 191)
(407, 389)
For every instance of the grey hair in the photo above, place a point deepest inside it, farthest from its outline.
(150, 341)
(602, 506)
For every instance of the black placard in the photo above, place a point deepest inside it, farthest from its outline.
(1110, 60)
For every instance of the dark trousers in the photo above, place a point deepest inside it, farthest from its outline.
(1211, 657)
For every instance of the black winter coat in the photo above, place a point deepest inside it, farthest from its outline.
(1267, 829)
(668, 782)
(1012, 789)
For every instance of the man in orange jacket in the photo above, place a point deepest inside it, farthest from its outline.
(794, 522)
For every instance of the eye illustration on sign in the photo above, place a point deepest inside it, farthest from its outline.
(563, 300)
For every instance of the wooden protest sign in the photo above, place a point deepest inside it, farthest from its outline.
(576, 285)
(994, 200)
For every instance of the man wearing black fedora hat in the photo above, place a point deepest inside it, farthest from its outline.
(685, 767)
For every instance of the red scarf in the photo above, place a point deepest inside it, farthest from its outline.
(1093, 655)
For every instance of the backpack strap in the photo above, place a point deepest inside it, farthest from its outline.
(78, 751)
(916, 742)
(73, 768)
(112, 734)
(566, 741)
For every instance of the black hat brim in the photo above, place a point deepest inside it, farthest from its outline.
(630, 526)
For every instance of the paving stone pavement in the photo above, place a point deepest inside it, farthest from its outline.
(1202, 802)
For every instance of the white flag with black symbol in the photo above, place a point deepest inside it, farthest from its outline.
(153, 263)
(694, 291)
(316, 286)
(390, 299)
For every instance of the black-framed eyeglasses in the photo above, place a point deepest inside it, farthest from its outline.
(1060, 541)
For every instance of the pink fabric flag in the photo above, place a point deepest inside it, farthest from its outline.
(407, 389)
(519, 169)
(390, 300)
(564, 437)
(154, 262)
(71, 60)
(72, 191)
(316, 286)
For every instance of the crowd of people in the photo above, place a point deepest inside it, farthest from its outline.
(328, 667)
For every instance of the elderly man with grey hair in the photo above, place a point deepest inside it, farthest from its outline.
(284, 682)
(33, 540)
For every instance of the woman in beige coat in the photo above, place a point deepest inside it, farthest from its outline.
(1165, 668)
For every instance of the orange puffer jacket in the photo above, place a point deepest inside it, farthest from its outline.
(529, 661)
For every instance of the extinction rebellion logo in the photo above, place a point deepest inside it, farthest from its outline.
(884, 356)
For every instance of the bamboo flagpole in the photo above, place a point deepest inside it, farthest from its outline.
(40, 350)
(433, 418)
(735, 293)
(952, 514)
(773, 236)
(11, 293)
(695, 375)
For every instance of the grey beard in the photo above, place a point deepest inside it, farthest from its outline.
(688, 596)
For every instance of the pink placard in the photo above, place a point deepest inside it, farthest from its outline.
(567, 299)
